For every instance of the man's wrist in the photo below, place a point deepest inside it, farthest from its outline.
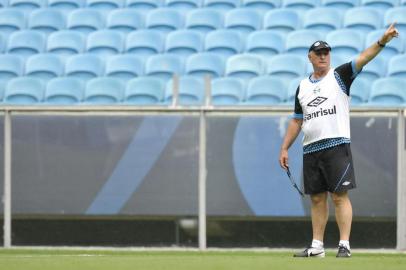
(381, 44)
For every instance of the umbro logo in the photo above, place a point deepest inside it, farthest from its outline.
(316, 102)
(346, 183)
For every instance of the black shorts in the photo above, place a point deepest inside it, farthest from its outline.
(330, 170)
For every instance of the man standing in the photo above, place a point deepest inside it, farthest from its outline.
(322, 113)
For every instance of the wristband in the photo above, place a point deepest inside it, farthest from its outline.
(380, 44)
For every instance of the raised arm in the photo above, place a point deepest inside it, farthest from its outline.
(369, 53)
(294, 127)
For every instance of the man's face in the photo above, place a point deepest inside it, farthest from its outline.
(320, 58)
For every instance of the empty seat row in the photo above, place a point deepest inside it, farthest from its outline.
(263, 91)
(165, 20)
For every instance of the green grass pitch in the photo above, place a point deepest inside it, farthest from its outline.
(62, 259)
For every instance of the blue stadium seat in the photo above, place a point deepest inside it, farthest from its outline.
(346, 42)
(103, 91)
(388, 92)
(183, 5)
(27, 5)
(144, 42)
(262, 5)
(26, 43)
(287, 66)
(84, 66)
(204, 20)
(300, 5)
(265, 42)
(362, 19)
(105, 43)
(144, 5)
(184, 42)
(164, 66)
(144, 91)
(227, 91)
(191, 91)
(266, 90)
(340, 4)
(375, 69)
(164, 20)
(85, 20)
(243, 20)
(46, 20)
(124, 66)
(24, 91)
(397, 66)
(66, 42)
(222, 5)
(11, 20)
(223, 42)
(3, 84)
(125, 20)
(44, 66)
(322, 19)
(291, 91)
(244, 66)
(380, 5)
(2, 44)
(105, 5)
(11, 66)
(394, 47)
(3, 3)
(205, 63)
(64, 91)
(360, 91)
(66, 6)
(299, 41)
(282, 20)
(396, 14)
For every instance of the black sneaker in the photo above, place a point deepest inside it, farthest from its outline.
(343, 252)
(311, 252)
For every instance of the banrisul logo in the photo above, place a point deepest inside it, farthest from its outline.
(320, 112)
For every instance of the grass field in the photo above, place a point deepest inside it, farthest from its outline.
(54, 259)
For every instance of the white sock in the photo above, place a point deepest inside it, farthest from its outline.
(317, 244)
(344, 243)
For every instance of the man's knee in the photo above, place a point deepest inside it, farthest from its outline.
(319, 198)
(340, 198)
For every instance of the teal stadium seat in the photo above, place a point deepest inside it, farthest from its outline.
(191, 91)
(184, 5)
(103, 91)
(66, 42)
(341, 5)
(205, 63)
(105, 5)
(64, 91)
(144, 43)
(46, 20)
(3, 84)
(380, 5)
(44, 66)
(85, 20)
(265, 42)
(322, 19)
(267, 90)
(25, 43)
(164, 20)
(287, 66)
(362, 19)
(245, 66)
(397, 67)
(243, 20)
(105, 43)
(204, 20)
(3, 3)
(124, 66)
(360, 91)
(144, 91)
(125, 20)
(224, 42)
(11, 20)
(144, 5)
(262, 5)
(84, 66)
(347, 43)
(300, 5)
(11, 66)
(24, 91)
(299, 41)
(388, 92)
(227, 91)
(164, 66)
(184, 42)
(282, 20)
(66, 6)
(27, 5)
(222, 5)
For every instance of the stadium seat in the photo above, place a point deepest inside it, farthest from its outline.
(144, 91)
(300, 5)
(2, 44)
(183, 5)
(164, 20)
(341, 5)
(104, 91)
(362, 19)
(85, 20)
(397, 66)
(164, 66)
(124, 66)
(380, 5)
(125, 20)
(105, 43)
(397, 15)
(392, 48)
(105, 5)
(287, 66)
(11, 20)
(84, 66)
(282, 20)
(3, 84)
(262, 5)
(299, 41)
(44, 66)
(64, 91)
(24, 91)
(190, 92)
(243, 20)
(388, 92)
(46, 20)
(346, 42)
(360, 90)
(144, 5)
(222, 5)
(227, 91)
(292, 86)
(66, 6)
(204, 20)
(184, 42)
(26, 43)
(322, 19)
(144, 42)
(265, 42)
(3, 3)
(223, 42)
(11, 66)
(27, 5)
(375, 69)
(244, 66)
(66, 42)
(205, 63)
(266, 90)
